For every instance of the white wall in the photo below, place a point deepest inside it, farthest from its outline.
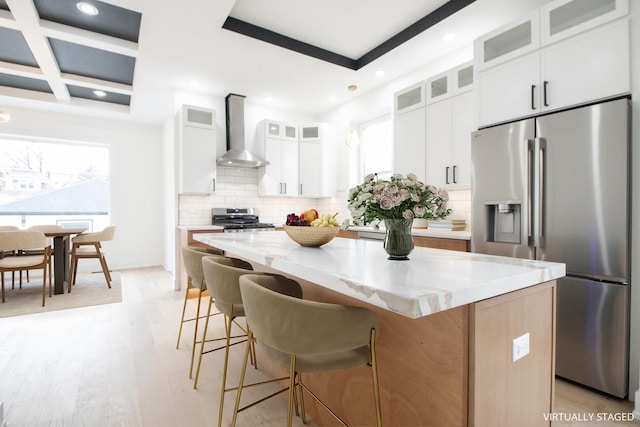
(135, 179)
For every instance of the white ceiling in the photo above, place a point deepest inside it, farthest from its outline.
(184, 41)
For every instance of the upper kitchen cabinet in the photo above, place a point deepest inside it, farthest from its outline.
(311, 132)
(450, 123)
(279, 130)
(299, 166)
(409, 130)
(450, 82)
(280, 176)
(582, 63)
(509, 42)
(316, 161)
(280, 145)
(565, 18)
(196, 130)
(409, 99)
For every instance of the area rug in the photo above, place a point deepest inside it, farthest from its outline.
(90, 289)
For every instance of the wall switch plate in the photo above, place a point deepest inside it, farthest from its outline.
(520, 347)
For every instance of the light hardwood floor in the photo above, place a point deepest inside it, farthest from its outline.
(116, 365)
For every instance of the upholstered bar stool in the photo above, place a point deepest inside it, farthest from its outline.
(222, 277)
(307, 336)
(192, 258)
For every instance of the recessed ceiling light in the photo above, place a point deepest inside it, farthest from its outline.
(100, 93)
(332, 99)
(449, 37)
(379, 73)
(352, 87)
(4, 116)
(268, 98)
(194, 83)
(87, 8)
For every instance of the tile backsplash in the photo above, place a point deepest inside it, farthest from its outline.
(237, 187)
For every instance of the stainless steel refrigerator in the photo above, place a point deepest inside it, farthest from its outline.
(557, 188)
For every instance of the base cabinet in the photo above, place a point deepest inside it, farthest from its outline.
(504, 392)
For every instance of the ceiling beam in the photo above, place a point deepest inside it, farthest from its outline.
(268, 36)
(25, 14)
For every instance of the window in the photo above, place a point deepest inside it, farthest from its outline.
(52, 182)
(376, 144)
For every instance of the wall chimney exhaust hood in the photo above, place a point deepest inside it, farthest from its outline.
(237, 154)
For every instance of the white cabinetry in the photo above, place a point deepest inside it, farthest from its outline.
(316, 161)
(280, 176)
(196, 146)
(567, 53)
(450, 82)
(409, 128)
(279, 130)
(299, 160)
(409, 99)
(448, 136)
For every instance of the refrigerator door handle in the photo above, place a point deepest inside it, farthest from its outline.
(540, 152)
(530, 190)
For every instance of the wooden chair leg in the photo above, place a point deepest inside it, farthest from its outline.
(105, 269)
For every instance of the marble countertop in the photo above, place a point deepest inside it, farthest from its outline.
(432, 280)
(200, 227)
(427, 232)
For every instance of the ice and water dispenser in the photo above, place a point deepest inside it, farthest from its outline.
(503, 222)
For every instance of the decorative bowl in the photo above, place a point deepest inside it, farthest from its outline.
(311, 237)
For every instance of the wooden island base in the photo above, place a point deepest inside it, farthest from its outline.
(451, 368)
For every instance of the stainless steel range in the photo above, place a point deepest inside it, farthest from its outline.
(235, 220)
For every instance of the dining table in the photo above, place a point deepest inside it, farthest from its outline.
(61, 238)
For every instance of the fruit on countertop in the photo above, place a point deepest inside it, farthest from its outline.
(293, 219)
(325, 220)
(309, 215)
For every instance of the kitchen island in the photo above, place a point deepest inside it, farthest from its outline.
(448, 321)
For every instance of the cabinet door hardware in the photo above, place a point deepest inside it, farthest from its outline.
(454, 174)
(446, 175)
(544, 93)
(533, 94)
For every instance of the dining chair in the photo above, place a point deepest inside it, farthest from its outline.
(23, 240)
(196, 288)
(307, 336)
(44, 228)
(88, 245)
(11, 253)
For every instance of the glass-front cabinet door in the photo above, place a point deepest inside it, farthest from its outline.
(506, 43)
(565, 18)
(409, 99)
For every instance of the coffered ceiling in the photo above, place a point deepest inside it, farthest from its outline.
(129, 60)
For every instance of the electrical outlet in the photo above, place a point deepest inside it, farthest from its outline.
(520, 347)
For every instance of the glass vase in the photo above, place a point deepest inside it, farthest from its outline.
(398, 241)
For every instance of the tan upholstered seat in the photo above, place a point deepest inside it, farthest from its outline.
(222, 277)
(45, 228)
(18, 241)
(88, 245)
(10, 253)
(307, 336)
(192, 259)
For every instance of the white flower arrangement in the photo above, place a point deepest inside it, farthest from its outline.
(397, 198)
